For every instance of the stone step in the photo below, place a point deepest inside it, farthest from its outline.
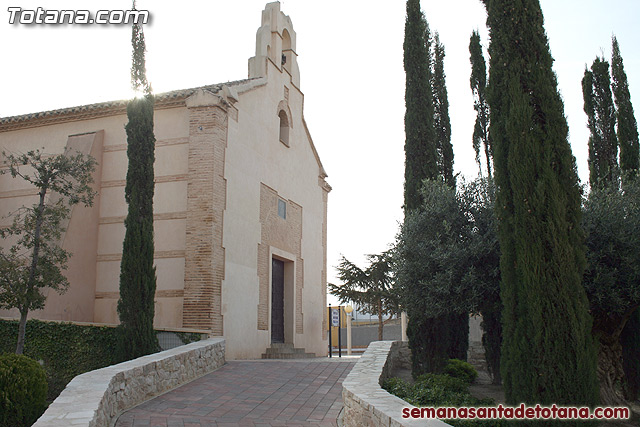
(476, 357)
(285, 351)
(287, 355)
(281, 345)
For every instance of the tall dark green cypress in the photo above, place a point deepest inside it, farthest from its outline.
(429, 153)
(491, 309)
(420, 145)
(478, 83)
(627, 125)
(456, 324)
(441, 122)
(428, 340)
(601, 119)
(137, 272)
(629, 164)
(548, 354)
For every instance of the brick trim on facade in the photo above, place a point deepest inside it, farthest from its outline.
(206, 199)
(283, 234)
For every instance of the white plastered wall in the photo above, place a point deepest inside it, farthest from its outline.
(255, 155)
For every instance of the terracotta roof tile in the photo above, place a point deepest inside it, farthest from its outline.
(161, 99)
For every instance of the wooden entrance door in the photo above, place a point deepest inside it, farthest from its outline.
(277, 301)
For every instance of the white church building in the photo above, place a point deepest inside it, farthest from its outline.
(240, 206)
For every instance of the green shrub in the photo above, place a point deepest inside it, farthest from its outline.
(443, 381)
(398, 387)
(440, 391)
(23, 390)
(460, 369)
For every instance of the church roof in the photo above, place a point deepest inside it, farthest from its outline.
(170, 99)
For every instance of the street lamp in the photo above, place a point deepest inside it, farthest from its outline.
(348, 309)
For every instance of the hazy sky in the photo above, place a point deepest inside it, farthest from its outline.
(350, 58)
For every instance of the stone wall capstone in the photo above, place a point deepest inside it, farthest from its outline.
(365, 402)
(97, 398)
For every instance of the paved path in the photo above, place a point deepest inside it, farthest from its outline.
(251, 393)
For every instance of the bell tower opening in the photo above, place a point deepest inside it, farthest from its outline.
(275, 45)
(287, 52)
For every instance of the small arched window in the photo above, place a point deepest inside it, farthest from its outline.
(284, 127)
(286, 50)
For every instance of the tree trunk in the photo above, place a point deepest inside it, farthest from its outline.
(36, 239)
(380, 322)
(610, 371)
(22, 330)
(32, 270)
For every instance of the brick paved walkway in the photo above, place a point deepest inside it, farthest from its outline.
(251, 393)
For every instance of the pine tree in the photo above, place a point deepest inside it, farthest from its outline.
(601, 115)
(137, 272)
(538, 209)
(371, 289)
(627, 125)
(478, 82)
(420, 145)
(441, 121)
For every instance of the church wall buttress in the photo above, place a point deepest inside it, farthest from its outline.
(206, 199)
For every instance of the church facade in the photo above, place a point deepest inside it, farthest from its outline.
(240, 205)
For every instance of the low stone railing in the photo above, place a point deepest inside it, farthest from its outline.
(97, 398)
(365, 402)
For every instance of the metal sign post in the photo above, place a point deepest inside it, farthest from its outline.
(330, 324)
(339, 334)
(334, 320)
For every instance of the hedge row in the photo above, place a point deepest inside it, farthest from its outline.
(65, 349)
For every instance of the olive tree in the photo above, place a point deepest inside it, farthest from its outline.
(35, 259)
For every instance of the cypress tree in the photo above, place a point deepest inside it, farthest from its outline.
(601, 117)
(491, 309)
(429, 337)
(627, 125)
(456, 324)
(548, 354)
(420, 153)
(420, 145)
(478, 82)
(629, 164)
(137, 272)
(441, 121)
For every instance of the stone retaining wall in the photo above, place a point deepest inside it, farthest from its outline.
(365, 402)
(96, 398)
